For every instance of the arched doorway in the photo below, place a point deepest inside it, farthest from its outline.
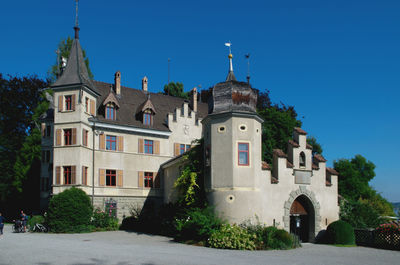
(302, 218)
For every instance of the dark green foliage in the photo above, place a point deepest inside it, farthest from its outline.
(340, 232)
(189, 184)
(270, 237)
(103, 221)
(197, 224)
(354, 176)
(69, 211)
(232, 237)
(65, 48)
(359, 214)
(316, 147)
(22, 104)
(362, 205)
(277, 128)
(175, 90)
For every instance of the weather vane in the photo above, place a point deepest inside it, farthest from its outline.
(229, 44)
(76, 13)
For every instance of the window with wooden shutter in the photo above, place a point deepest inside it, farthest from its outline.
(176, 149)
(58, 137)
(60, 103)
(157, 147)
(58, 175)
(140, 179)
(120, 143)
(84, 175)
(84, 137)
(102, 141)
(73, 102)
(73, 135)
(92, 107)
(102, 177)
(119, 178)
(156, 180)
(73, 174)
(141, 145)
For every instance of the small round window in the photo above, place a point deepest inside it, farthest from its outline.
(221, 129)
(242, 127)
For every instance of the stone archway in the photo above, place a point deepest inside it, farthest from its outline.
(314, 206)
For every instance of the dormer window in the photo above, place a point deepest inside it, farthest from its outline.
(302, 160)
(147, 118)
(110, 112)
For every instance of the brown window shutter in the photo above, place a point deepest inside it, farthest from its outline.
(83, 137)
(92, 106)
(58, 175)
(60, 103)
(141, 145)
(120, 140)
(73, 135)
(102, 177)
(43, 129)
(58, 137)
(73, 102)
(176, 149)
(119, 177)
(102, 142)
(156, 180)
(84, 180)
(140, 178)
(73, 174)
(157, 147)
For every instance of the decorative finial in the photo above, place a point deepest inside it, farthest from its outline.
(231, 76)
(76, 28)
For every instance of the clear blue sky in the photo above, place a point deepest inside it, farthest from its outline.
(338, 63)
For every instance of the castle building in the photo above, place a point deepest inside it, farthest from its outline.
(123, 147)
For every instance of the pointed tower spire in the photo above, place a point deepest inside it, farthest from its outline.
(76, 27)
(75, 72)
(231, 76)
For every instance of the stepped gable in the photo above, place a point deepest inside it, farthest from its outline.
(131, 99)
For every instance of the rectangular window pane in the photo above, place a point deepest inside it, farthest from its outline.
(67, 137)
(243, 154)
(181, 149)
(187, 147)
(68, 105)
(111, 142)
(111, 178)
(67, 175)
(148, 146)
(148, 179)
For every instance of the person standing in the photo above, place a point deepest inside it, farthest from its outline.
(2, 219)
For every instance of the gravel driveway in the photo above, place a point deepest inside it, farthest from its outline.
(125, 248)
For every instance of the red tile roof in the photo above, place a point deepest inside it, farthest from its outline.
(309, 146)
(289, 165)
(274, 180)
(293, 143)
(332, 171)
(319, 158)
(300, 130)
(265, 166)
(279, 153)
(314, 166)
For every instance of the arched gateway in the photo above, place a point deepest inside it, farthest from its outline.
(302, 214)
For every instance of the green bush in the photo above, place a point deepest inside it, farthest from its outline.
(270, 237)
(232, 237)
(103, 221)
(197, 224)
(36, 219)
(340, 232)
(69, 212)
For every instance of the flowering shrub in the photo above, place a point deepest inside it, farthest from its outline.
(388, 228)
(232, 237)
(103, 221)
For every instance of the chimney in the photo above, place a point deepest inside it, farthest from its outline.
(144, 83)
(194, 99)
(117, 83)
